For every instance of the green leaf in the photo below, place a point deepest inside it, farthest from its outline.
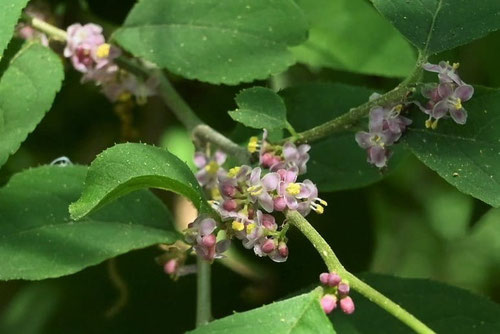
(124, 168)
(27, 90)
(37, 302)
(217, 41)
(301, 314)
(438, 25)
(466, 156)
(444, 308)
(338, 39)
(39, 240)
(9, 15)
(477, 255)
(260, 108)
(337, 162)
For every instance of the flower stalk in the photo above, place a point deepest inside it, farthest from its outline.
(350, 119)
(334, 265)
(203, 299)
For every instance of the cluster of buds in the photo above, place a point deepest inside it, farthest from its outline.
(445, 98)
(275, 157)
(91, 55)
(337, 292)
(27, 32)
(173, 261)
(246, 197)
(202, 234)
(386, 126)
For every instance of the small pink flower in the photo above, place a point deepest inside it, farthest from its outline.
(210, 168)
(259, 188)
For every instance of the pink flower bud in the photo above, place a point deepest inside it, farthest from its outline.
(283, 249)
(328, 303)
(170, 267)
(344, 289)
(268, 246)
(276, 160)
(228, 190)
(323, 278)
(347, 305)
(333, 279)
(230, 205)
(279, 203)
(266, 160)
(269, 222)
(209, 240)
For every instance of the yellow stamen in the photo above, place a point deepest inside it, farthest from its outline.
(398, 108)
(215, 193)
(233, 171)
(250, 228)
(255, 190)
(457, 104)
(323, 202)
(455, 65)
(378, 140)
(428, 123)
(237, 226)
(103, 50)
(434, 124)
(253, 144)
(319, 209)
(212, 167)
(124, 97)
(293, 189)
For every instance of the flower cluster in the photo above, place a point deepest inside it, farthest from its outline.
(386, 126)
(246, 198)
(91, 55)
(337, 291)
(445, 98)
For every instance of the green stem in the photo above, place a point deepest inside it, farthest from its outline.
(203, 302)
(349, 119)
(205, 133)
(52, 31)
(333, 264)
(175, 102)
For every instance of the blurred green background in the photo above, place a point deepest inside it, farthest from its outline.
(412, 224)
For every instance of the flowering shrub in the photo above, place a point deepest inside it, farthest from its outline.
(289, 166)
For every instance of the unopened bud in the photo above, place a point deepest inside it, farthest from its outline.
(323, 278)
(347, 305)
(344, 289)
(209, 240)
(170, 267)
(333, 279)
(267, 160)
(230, 205)
(279, 204)
(228, 190)
(269, 222)
(268, 246)
(283, 249)
(328, 303)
